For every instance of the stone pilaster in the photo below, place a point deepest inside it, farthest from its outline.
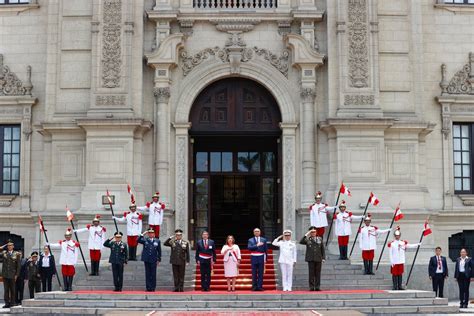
(289, 174)
(182, 176)
(308, 95)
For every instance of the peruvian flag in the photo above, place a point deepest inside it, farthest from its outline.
(69, 214)
(373, 199)
(40, 222)
(398, 214)
(426, 229)
(108, 196)
(132, 196)
(345, 190)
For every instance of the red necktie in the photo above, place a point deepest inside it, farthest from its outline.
(439, 263)
(205, 243)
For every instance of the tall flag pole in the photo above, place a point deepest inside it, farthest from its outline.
(397, 215)
(372, 200)
(342, 190)
(426, 231)
(70, 218)
(43, 230)
(112, 209)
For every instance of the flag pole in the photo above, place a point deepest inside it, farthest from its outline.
(360, 225)
(388, 235)
(112, 210)
(51, 253)
(80, 248)
(332, 217)
(414, 259)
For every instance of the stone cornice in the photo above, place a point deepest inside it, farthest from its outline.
(168, 51)
(18, 7)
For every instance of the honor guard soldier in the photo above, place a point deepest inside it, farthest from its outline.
(258, 257)
(319, 214)
(134, 221)
(368, 243)
(343, 228)
(155, 213)
(96, 242)
(179, 258)
(34, 276)
(68, 259)
(397, 258)
(205, 258)
(118, 257)
(10, 272)
(315, 256)
(287, 259)
(151, 257)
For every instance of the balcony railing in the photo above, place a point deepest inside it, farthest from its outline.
(236, 4)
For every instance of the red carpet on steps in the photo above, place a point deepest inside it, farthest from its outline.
(296, 293)
(244, 280)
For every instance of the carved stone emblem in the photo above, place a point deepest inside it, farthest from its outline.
(359, 99)
(358, 44)
(102, 100)
(10, 84)
(463, 80)
(111, 43)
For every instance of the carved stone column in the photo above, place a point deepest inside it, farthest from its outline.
(289, 175)
(182, 176)
(308, 95)
(162, 128)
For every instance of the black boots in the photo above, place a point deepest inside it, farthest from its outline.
(400, 288)
(366, 267)
(370, 268)
(67, 283)
(341, 251)
(132, 255)
(397, 282)
(344, 253)
(95, 268)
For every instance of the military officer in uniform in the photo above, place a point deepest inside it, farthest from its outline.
(287, 259)
(155, 213)
(179, 258)
(96, 242)
(34, 276)
(315, 256)
(10, 272)
(134, 221)
(368, 243)
(319, 214)
(151, 257)
(205, 258)
(68, 259)
(343, 220)
(118, 257)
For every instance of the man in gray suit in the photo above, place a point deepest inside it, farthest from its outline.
(315, 256)
(179, 258)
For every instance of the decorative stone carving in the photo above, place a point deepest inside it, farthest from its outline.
(359, 99)
(284, 27)
(235, 25)
(181, 143)
(358, 44)
(463, 80)
(162, 95)
(289, 183)
(308, 94)
(102, 100)
(10, 84)
(111, 43)
(234, 52)
(186, 27)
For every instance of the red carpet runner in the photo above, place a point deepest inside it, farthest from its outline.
(244, 280)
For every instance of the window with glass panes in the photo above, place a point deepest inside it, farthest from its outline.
(459, 1)
(462, 137)
(10, 162)
(14, 2)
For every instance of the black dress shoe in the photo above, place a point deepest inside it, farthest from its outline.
(176, 290)
(6, 306)
(317, 289)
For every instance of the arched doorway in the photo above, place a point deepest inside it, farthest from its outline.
(235, 160)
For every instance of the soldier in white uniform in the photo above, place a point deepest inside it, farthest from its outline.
(155, 213)
(368, 243)
(319, 215)
(397, 250)
(343, 228)
(96, 242)
(134, 221)
(69, 253)
(287, 258)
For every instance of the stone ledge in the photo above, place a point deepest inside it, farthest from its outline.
(6, 200)
(455, 7)
(18, 7)
(467, 199)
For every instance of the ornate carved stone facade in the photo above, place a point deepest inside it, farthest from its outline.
(111, 46)
(10, 85)
(358, 54)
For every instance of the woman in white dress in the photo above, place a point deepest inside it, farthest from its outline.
(231, 253)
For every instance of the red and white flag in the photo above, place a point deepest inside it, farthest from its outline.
(132, 196)
(426, 229)
(398, 214)
(40, 222)
(373, 199)
(69, 214)
(108, 196)
(345, 190)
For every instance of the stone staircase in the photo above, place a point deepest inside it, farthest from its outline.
(370, 302)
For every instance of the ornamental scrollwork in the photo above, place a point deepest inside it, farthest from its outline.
(358, 44)
(359, 99)
(111, 43)
(162, 94)
(10, 84)
(463, 80)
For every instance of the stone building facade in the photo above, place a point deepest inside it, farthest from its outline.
(368, 92)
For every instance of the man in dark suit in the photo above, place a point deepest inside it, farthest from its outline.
(205, 258)
(258, 257)
(315, 256)
(438, 272)
(118, 257)
(151, 257)
(462, 274)
(47, 267)
(179, 258)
